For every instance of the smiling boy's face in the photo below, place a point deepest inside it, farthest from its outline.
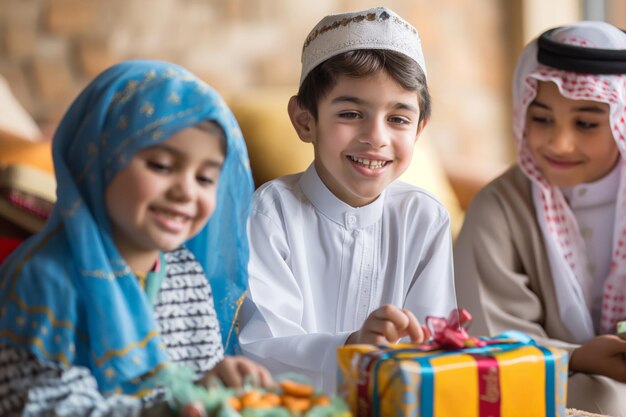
(571, 140)
(164, 196)
(364, 135)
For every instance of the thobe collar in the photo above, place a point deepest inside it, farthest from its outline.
(334, 208)
(597, 193)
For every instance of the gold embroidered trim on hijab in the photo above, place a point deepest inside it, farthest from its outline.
(120, 352)
(41, 309)
(233, 325)
(59, 357)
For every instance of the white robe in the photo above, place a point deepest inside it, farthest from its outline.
(318, 268)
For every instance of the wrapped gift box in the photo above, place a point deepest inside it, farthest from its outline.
(505, 378)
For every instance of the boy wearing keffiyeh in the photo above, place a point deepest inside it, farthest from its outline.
(543, 247)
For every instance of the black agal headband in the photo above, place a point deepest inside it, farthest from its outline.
(579, 58)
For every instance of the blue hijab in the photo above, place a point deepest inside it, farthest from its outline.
(66, 293)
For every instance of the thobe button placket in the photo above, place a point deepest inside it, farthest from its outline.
(582, 192)
(351, 222)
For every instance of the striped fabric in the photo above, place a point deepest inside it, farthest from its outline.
(186, 317)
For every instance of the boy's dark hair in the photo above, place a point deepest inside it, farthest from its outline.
(361, 63)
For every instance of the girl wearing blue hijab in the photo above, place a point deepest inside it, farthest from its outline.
(94, 305)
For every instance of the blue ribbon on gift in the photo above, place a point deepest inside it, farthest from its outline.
(509, 340)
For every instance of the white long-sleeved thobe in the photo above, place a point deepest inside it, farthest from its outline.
(318, 268)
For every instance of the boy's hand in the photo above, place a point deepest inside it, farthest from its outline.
(233, 371)
(602, 355)
(388, 324)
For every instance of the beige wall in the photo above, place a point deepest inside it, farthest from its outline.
(540, 15)
(616, 12)
(49, 49)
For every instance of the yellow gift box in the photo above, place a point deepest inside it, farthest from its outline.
(506, 378)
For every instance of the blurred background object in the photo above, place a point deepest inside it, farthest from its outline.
(15, 122)
(249, 50)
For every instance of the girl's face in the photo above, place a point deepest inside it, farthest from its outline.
(364, 136)
(164, 196)
(571, 140)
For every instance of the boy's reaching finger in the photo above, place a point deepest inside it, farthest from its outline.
(413, 329)
(393, 314)
(390, 331)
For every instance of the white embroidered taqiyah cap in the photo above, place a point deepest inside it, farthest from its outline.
(377, 28)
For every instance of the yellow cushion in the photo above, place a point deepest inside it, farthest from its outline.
(273, 145)
(36, 154)
(426, 171)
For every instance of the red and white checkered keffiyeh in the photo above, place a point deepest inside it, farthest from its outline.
(565, 246)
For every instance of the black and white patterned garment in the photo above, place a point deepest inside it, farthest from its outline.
(189, 327)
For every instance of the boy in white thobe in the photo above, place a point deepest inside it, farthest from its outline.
(343, 253)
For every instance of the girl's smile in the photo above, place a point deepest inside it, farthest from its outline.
(165, 195)
(171, 221)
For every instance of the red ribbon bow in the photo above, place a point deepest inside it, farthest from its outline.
(451, 333)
